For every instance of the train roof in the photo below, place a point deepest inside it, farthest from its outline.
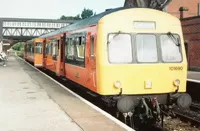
(83, 23)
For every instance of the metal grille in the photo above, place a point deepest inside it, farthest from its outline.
(25, 29)
(33, 32)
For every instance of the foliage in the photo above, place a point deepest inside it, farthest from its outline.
(63, 17)
(84, 14)
(18, 47)
(20, 53)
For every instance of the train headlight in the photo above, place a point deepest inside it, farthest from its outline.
(117, 84)
(177, 82)
(148, 84)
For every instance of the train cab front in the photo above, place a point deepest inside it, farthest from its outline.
(142, 66)
(145, 71)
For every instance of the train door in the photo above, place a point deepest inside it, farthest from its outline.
(32, 51)
(92, 63)
(44, 53)
(60, 60)
(25, 50)
(62, 55)
(187, 55)
(58, 55)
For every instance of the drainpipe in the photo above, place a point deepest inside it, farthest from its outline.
(198, 13)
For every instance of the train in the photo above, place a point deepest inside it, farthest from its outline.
(134, 59)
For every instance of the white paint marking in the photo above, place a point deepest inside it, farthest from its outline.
(87, 102)
(192, 80)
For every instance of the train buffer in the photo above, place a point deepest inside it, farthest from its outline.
(30, 100)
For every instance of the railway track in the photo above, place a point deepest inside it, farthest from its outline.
(195, 106)
(191, 115)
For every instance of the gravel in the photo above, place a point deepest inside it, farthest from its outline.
(178, 125)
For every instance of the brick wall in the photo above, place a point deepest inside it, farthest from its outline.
(173, 7)
(191, 32)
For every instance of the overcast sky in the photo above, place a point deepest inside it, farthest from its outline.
(53, 9)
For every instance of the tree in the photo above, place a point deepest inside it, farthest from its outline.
(77, 17)
(18, 47)
(86, 13)
(63, 17)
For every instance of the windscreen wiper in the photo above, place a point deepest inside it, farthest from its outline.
(114, 36)
(175, 40)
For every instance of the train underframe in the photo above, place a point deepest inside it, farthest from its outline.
(148, 110)
(141, 111)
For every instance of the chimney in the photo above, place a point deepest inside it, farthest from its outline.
(198, 13)
(182, 9)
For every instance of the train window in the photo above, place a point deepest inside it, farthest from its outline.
(50, 48)
(66, 46)
(58, 44)
(54, 49)
(38, 48)
(146, 48)
(119, 48)
(47, 49)
(70, 49)
(29, 48)
(75, 50)
(32, 49)
(80, 47)
(170, 48)
(92, 47)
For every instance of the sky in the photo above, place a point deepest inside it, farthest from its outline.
(53, 9)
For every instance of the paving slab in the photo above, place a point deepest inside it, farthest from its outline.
(25, 106)
(81, 115)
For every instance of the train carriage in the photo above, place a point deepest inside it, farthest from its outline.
(51, 53)
(29, 51)
(34, 52)
(128, 56)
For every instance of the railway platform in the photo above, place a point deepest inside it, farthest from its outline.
(193, 76)
(30, 101)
